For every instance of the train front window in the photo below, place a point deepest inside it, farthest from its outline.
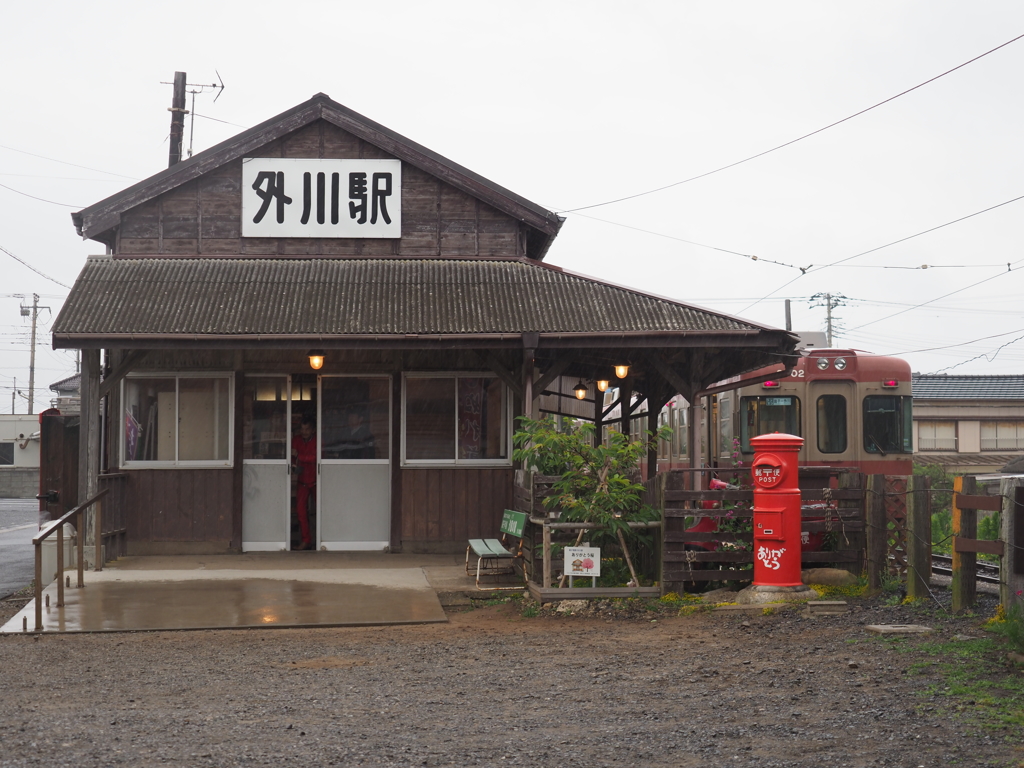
(831, 423)
(888, 425)
(764, 415)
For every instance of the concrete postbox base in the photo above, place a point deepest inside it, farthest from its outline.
(756, 595)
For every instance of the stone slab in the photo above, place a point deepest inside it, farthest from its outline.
(898, 629)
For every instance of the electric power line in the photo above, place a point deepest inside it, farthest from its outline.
(40, 199)
(793, 141)
(26, 264)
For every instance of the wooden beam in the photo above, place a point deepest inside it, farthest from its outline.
(124, 367)
(984, 503)
(552, 373)
(979, 545)
(491, 361)
(964, 586)
(684, 388)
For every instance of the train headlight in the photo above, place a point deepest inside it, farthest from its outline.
(840, 363)
(822, 363)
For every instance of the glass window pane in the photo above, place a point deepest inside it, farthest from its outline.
(430, 418)
(354, 420)
(203, 417)
(763, 415)
(6, 454)
(831, 423)
(887, 424)
(264, 415)
(482, 422)
(149, 419)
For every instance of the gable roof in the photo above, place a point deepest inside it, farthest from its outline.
(275, 302)
(942, 387)
(98, 220)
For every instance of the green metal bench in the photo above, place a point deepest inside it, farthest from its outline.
(493, 556)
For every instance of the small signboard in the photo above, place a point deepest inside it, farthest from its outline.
(512, 523)
(778, 401)
(582, 561)
(285, 197)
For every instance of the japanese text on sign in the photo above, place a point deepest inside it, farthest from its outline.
(582, 561)
(767, 475)
(321, 198)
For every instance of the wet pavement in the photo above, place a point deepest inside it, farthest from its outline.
(318, 589)
(19, 522)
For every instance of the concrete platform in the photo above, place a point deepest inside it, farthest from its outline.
(266, 589)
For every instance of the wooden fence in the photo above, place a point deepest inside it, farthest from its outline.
(836, 514)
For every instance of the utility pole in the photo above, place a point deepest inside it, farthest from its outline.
(829, 301)
(177, 111)
(32, 352)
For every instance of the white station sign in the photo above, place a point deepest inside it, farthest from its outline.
(321, 198)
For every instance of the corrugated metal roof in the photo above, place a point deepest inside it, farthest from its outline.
(337, 297)
(939, 387)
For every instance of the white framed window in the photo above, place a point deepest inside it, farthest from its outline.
(177, 420)
(1002, 435)
(455, 419)
(936, 436)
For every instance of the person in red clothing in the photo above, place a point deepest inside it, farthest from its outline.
(304, 466)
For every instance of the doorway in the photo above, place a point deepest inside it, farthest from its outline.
(354, 499)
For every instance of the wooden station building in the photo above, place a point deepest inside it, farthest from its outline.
(422, 289)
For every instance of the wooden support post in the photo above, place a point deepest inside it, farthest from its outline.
(89, 435)
(693, 437)
(877, 531)
(919, 538)
(98, 518)
(80, 545)
(1011, 531)
(653, 411)
(39, 587)
(854, 541)
(60, 566)
(965, 564)
(625, 402)
(547, 555)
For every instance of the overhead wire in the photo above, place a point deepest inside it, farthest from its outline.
(810, 267)
(64, 162)
(41, 274)
(793, 141)
(40, 199)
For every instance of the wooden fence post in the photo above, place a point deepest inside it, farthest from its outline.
(877, 531)
(855, 540)
(1011, 530)
(919, 538)
(965, 564)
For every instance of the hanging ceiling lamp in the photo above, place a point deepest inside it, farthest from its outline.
(602, 385)
(580, 390)
(316, 359)
(622, 371)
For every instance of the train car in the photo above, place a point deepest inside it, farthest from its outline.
(852, 408)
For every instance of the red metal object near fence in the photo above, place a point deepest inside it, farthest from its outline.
(774, 472)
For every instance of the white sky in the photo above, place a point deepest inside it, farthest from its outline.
(571, 104)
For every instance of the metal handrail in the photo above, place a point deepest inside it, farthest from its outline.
(58, 526)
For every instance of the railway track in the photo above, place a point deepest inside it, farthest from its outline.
(987, 572)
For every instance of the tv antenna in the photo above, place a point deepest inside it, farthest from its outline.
(178, 111)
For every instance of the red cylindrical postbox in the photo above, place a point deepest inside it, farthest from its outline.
(774, 472)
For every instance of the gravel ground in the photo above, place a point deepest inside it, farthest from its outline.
(616, 688)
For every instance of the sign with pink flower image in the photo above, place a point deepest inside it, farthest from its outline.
(583, 561)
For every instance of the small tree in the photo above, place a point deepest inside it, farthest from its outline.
(595, 481)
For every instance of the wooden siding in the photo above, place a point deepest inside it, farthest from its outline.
(203, 216)
(443, 508)
(168, 509)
